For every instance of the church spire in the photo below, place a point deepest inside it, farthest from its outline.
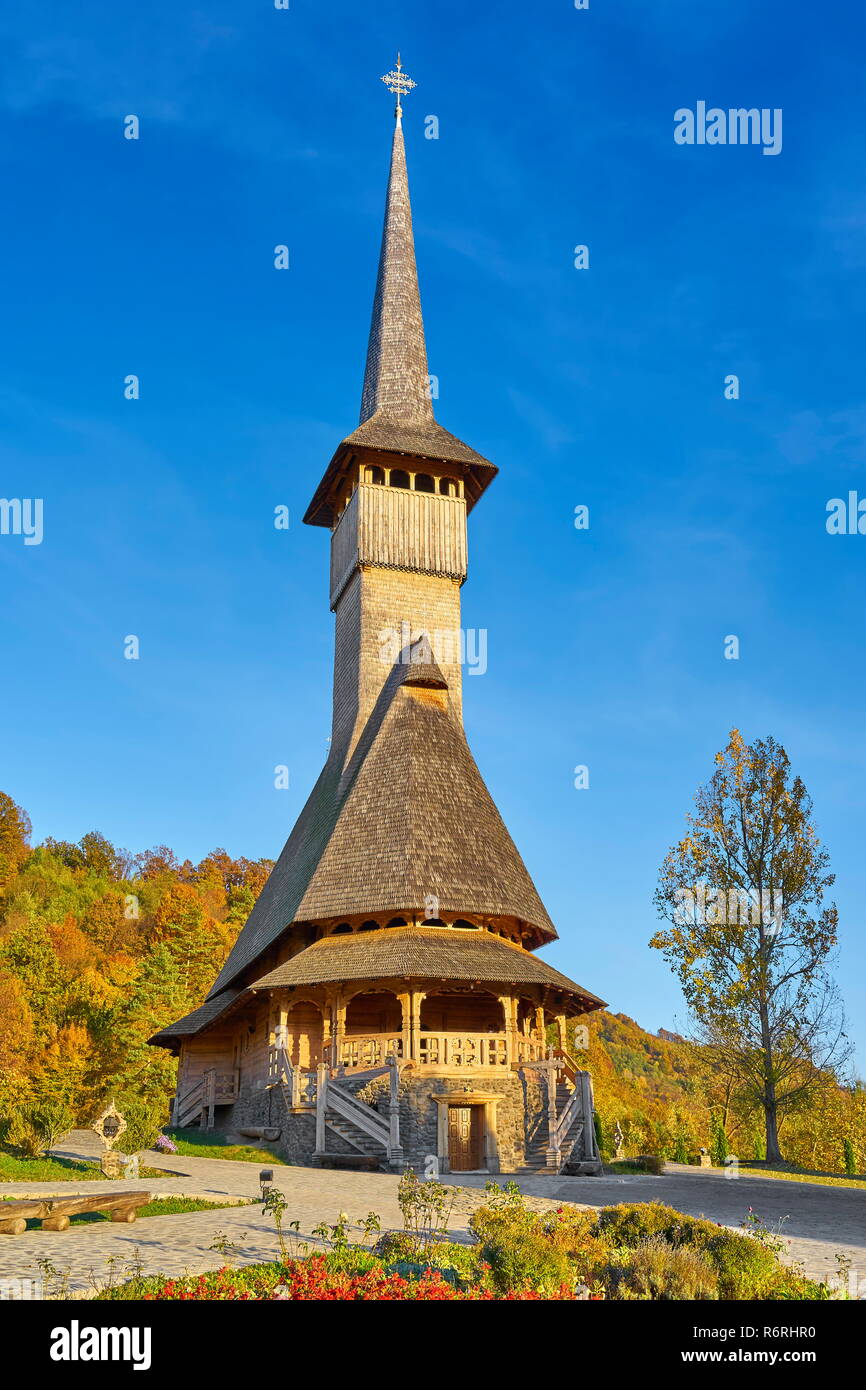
(395, 380)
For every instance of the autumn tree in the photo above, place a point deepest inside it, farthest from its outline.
(750, 936)
(195, 940)
(14, 839)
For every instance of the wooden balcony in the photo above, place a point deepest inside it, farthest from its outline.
(448, 1050)
(367, 1050)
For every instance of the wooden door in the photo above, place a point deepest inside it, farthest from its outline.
(465, 1135)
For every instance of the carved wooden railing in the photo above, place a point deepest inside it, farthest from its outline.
(361, 1052)
(463, 1049)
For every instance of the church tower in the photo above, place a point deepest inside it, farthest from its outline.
(395, 937)
(397, 492)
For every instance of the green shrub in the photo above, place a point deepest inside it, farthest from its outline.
(650, 1163)
(632, 1222)
(600, 1140)
(450, 1254)
(719, 1145)
(397, 1245)
(351, 1260)
(657, 1270)
(745, 1267)
(849, 1158)
(525, 1259)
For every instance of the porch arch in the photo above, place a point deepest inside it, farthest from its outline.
(463, 1011)
(305, 1032)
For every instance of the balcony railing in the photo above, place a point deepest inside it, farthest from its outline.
(367, 1051)
(363, 1051)
(463, 1049)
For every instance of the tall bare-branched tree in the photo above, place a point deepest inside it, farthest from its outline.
(750, 935)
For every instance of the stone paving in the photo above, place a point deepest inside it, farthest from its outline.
(822, 1220)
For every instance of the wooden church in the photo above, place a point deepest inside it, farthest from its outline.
(385, 1005)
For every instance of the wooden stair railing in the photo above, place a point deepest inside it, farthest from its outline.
(189, 1104)
(333, 1096)
(199, 1101)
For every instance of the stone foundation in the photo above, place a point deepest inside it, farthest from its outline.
(515, 1118)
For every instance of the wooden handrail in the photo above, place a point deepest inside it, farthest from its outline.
(345, 1104)
(568, 1067)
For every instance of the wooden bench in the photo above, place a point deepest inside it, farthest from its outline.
(54, 1212)
(361, 1162)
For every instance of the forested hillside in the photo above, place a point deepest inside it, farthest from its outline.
(99, 948)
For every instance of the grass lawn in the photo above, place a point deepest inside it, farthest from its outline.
(195, 1143)
(15, 1168)
(800, 1177)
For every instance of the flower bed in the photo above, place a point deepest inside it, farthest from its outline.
(634, 1251)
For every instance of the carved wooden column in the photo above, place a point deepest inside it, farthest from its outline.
(509, 1010)
(561, 1032)
(418, 997)
(339, 1029)
(327, 1025)
(539, 1025)
(405, 1002)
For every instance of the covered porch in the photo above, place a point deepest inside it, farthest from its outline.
(435, 1027)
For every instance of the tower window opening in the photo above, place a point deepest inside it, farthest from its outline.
(424, 483)
(341, 929)
(462, 923)
(396, 922)
(398, 478)
(369, 926)
(376, 475)
(448, 487)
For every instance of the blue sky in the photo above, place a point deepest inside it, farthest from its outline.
(602, 387)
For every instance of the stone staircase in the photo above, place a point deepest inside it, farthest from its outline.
(575, 1155)
(356, 1138)
(537, 1145)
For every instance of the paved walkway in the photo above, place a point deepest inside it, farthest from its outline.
(822, 1220)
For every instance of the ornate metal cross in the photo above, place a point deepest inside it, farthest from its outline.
(398, 82)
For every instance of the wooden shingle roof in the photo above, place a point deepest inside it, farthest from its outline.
(409, 818)
(200, 1018)
(421, 953)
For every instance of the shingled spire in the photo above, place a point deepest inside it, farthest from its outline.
(395, 379)
(396, 408)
